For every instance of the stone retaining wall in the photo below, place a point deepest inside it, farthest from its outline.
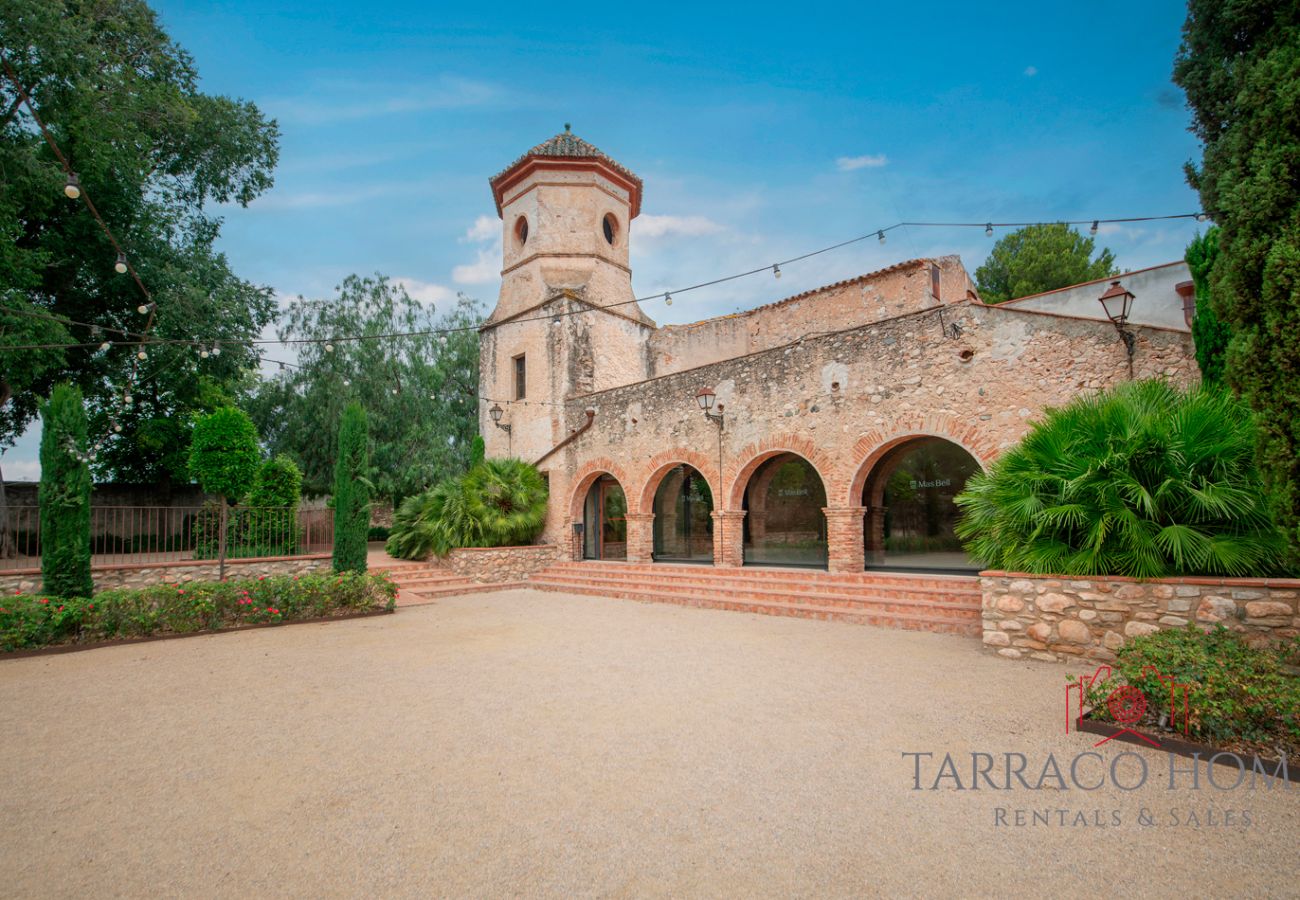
(499, 564)
(1059, 618)
(109, 577)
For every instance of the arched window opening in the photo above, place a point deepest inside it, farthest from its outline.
(784, 522)
(683, 524)
(604, 520)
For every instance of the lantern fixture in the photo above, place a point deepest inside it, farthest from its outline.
(1117, 301)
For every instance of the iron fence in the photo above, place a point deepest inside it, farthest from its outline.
(140, 535)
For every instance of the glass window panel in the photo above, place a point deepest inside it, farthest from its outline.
(784, 522)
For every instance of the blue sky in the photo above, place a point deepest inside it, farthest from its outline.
(760, 133)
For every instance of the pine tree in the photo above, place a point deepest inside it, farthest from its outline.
(352, 491)
(65, 496)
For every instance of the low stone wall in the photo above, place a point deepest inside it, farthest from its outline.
(108, 577)
(1059, 618)
(498, 564)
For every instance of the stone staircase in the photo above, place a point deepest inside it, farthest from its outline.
(420, 583)
(921, 602)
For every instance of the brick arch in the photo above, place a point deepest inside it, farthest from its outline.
(586, 475)
(661, 463)
(761, 451)
(872, 447)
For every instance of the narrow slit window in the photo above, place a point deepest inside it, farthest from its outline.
(521, 378)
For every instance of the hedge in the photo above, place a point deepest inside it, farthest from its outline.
(29, 621)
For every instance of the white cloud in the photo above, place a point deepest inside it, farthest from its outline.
(484, 270)
(868, 161)
(648, 226)
(425, 291)
(485, 228)
(22, 470)
(1031, 71)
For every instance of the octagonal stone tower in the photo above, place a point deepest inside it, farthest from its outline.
(565, 323)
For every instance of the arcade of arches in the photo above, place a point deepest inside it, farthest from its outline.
(905, 521)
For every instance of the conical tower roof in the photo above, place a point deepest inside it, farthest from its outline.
(567, 146)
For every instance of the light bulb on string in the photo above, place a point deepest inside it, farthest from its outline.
(216, 349)
(140, 354)
(146, 308)
(117, 427)
(668, 299)
(329, 348)
(988, 230)
(203, 353)
(1093, 229)
(105, 345)
(120, 266)
(73, 187)
(1201, 217)
(881, 235)
(776, 271)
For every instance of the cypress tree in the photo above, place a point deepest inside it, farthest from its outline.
(352, 491)
(64, 496)
(1209, 332)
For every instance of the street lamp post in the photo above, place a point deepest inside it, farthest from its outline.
(1118, 302)
(495, 412)
(706, 398)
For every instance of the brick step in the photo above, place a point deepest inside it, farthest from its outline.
(427, 579)
(912, 622)
(961, 582)
(794, 584)
(943, 606)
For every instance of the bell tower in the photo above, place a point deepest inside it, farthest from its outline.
(565, 323)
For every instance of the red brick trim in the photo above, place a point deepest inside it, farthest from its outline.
(588, 473)
(659, 466)
(872, 446)
(759, 452)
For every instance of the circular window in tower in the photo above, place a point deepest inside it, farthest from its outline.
(610, 226)
(521, 230)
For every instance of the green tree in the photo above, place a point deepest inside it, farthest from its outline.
(1143, 481)
(65, 496)
(1040, 258)
(278, 483)
(497, 503)
(421, 391)
(1239, 64)
(224, 456)
(270, 526)
(158, 157)
(1209, 332)
(352, 491)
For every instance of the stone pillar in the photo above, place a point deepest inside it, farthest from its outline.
(844, 538)
(874, 552)
(640, 537)
(728, 538)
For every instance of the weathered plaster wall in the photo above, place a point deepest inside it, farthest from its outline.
(1057, 618)
(841, 401)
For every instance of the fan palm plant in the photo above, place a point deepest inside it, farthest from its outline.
(497, 503)
(1144, 480)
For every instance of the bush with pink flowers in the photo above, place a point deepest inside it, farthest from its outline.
(29, 621)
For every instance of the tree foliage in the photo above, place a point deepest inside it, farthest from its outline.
(1040, 258)
(497, 503)
(157, 156)
(224, 456)
(65, 496)
(420, 391)
(1239, 64)
(1210, 333)
(352, 490)
(1143, 480)
(278, 483)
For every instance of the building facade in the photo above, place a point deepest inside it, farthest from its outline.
(844, 419)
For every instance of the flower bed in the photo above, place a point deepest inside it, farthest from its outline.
(1240, 698)
(30, 621)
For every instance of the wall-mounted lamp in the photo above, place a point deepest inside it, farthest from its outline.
(1118, 303)
(706, 398)
(496, 412)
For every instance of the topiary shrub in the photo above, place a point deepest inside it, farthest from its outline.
(1143, 480)
(498, 503)
(64, 496)
(224, 457)
(352, 491)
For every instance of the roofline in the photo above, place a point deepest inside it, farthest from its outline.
(526, 165)
(1070, 287)
(1056, 315)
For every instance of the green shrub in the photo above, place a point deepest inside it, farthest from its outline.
(352, 491)
(498, 503)
(278, 483)
(1143, 480)
(223, 453)
(64, 496)
(377, 533)
(1236, 693)
(28, 621)
(270, 526)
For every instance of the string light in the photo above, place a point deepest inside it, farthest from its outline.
(776, 272)
(145, 308)
(216, 349)
(668, 299)
(1201, 217)
(881, 235)
(329, 348)
(140, 354)
(120, 265)
(105, 345)
(72, 187)
(1093, 229)
(988, 230)
(203, 354)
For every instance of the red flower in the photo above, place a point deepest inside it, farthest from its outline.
(179, 591)
(60, 609)
(45, 600)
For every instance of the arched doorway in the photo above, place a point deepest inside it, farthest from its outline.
(683, 524)
(910, 510)
(604, 520)
(784, 522)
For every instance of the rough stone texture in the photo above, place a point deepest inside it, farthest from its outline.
(491, 565)
(840, 375)
(1064, 620)
(108, 577)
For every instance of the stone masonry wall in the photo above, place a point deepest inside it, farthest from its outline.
(501, 564)
(1058, 619)
(109, 577)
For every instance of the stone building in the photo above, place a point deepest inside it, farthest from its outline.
(850, 415)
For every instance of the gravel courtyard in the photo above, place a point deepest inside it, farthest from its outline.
(525, 744)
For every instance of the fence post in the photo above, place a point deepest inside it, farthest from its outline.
(221, 546)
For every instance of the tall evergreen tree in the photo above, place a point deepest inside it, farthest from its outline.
(1239, 64)
(352, 491)
(1210, 333)
(65, 496)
